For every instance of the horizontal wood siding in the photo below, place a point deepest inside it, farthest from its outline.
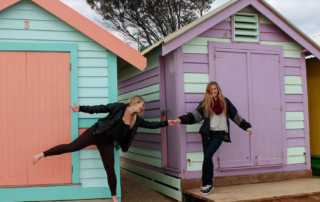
(92, 64)
(196, 77)
(290, 49)
(200, 44)
(146, 146)
(130, 72)
(196, 73)
(221, 30)
(92, 172)
(295, 115)
(270, 32)
(144, 158)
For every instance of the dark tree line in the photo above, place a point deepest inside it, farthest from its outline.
(147, 21)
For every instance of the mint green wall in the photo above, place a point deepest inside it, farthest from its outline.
(93, 71)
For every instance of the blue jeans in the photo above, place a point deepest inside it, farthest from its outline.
(210, 145)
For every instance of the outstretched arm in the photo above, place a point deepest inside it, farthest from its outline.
(237, 119)
(192, 117)
(97, 108)
(152, 124)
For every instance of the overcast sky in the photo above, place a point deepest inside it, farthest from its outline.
(305, 14)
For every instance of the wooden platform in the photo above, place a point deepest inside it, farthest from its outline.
(305, 189)
(249, 179)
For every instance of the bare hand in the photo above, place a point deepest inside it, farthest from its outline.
(177, 121)
(75, 108)
(171, 123)
(250, 131)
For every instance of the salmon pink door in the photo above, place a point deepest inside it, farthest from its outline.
(13, 161)
(35, 115)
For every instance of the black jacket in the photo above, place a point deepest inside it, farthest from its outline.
(116, 112)
(199, 114)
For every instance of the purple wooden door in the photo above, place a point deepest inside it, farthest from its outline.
(251, 79)
(232, 76)
(266, 109)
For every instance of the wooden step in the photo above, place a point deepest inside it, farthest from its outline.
(306, 189)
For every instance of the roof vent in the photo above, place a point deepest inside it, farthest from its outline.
(246, 27)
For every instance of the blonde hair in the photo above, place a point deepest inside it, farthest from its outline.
(208, 99)
(132, 101)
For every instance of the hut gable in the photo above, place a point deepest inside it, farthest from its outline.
(88, 28)
(267, 15)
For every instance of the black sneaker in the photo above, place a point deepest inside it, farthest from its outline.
(207, 189)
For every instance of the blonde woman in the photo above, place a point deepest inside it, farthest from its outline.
(215, 111)
(120, 127)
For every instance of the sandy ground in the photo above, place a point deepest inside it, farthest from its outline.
(133, 190)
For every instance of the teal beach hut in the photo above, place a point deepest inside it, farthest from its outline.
(52, 57)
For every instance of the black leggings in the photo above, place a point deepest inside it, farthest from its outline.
(86, 139)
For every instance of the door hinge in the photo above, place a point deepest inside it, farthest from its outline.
(277, 107)
(277, 59)
(70, 66)
(218, 56)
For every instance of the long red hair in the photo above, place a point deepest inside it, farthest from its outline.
(208, 99)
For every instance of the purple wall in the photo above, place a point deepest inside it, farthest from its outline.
(149, 141)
